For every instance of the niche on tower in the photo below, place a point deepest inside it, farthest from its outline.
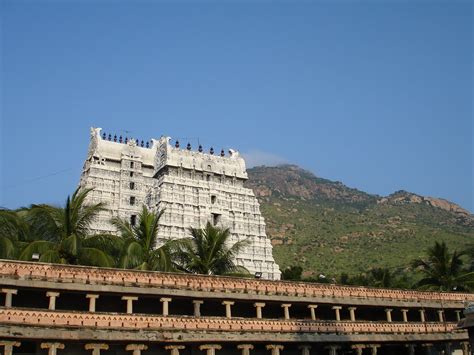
(216, 218)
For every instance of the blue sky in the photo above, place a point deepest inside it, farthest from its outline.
(377, 95)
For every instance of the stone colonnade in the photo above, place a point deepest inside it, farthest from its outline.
(54, 348)
(259, 307)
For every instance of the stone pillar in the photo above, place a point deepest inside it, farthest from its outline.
(373, 348)
(129, 300)
(52, 300)
(165, 301)
(210, 348)
(228, 308)
(258, 307)
(359, 348)
(411, 349)
(440, 315)
(52, 347)
(8, 346)
(388, 311)
(275, 348)
(136, 348)
(337, 309)
(405, 315)
(197, 307)
(174, 349)
(245, 348)
(9, 292)
(458, 315)
(312, 309)
(447, 348)
(332, 349)
(352, 313)
(96, 347)
(286, 311)
(465, 348)
(305, 349)
(422, 316)
(92, 301)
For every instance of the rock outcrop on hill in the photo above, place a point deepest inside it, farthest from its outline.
(325, 226)
(404, 197)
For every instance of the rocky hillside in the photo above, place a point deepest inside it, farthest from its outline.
(327, 227)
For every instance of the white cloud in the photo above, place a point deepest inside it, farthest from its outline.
(257, 157)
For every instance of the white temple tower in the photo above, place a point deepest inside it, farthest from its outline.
(193, 187)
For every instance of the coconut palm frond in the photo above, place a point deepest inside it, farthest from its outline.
(207, 251)
(95, 257)
(108, 243)
(139, 248)
(132, 254)
(40, 247)
(123, 227)
(45, 222)
(52, 256)
(13, 226)
(442, 270)
(7, 248)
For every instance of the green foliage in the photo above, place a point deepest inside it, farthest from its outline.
(443, 271)
(14, 233)
(331, 240)
(139, 244)
(62, 233)
(378, 277)
(328, 228)
(206, 252)
(292, 273)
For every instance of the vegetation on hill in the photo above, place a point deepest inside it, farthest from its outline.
(342, 233)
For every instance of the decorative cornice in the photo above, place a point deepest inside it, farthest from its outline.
(105, 276)
(51, 319)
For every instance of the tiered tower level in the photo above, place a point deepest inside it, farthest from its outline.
(192, 187)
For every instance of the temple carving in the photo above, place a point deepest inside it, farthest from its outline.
(192, 187)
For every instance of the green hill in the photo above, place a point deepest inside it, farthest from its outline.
(327, 227)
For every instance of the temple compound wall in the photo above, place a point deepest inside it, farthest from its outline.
(58, 309)
(192, 187)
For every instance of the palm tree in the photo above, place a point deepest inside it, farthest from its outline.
(140, 243)
(443, 271)
(206, 252)
(381, 277)
(64, 233)
(14, 232)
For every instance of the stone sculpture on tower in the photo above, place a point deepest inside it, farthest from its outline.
(192, 186)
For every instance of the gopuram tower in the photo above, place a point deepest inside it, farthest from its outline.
(192, 187)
